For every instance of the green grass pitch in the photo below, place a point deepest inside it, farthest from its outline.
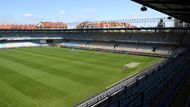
(58, 77)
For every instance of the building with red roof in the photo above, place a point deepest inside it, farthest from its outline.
(51, 25)
(13, 26)
(85, 25)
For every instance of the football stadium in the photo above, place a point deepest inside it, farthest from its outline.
(112, 63)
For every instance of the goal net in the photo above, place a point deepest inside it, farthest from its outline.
(130, 65)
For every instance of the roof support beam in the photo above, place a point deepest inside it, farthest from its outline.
(162, 2)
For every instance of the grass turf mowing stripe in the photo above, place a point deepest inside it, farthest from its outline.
(72, 56)
(114, 62)
(78, 75)
(34, 90)
(59, 72)
(60, 84)
(37, 74)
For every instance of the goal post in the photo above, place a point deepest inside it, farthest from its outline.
(125, 67)
(130, 65)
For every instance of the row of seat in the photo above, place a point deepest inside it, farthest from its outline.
(163, 50)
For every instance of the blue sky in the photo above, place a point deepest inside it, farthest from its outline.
(34, 11)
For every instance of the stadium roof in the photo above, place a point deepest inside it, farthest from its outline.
(179, 9)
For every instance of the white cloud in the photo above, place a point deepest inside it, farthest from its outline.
(61, 12)
(28, 15)
(88, 10)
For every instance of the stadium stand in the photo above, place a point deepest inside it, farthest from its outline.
(141, 42)
(125, 47)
